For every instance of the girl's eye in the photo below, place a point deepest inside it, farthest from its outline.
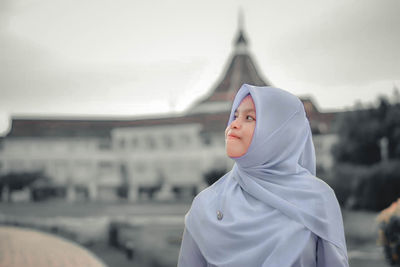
(250, 118)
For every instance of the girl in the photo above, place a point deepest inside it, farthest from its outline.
(270, 209)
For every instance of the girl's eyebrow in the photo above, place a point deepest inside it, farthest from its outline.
(246, 110)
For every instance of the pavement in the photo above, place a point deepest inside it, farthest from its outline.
(367, 255)
(21, 247)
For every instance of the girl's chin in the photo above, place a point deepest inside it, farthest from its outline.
(234, 154)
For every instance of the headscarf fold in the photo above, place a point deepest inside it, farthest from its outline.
(271, 198)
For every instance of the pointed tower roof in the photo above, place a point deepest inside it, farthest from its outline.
(241, 40)
(239, 70)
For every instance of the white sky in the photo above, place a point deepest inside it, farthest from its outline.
(129, 58)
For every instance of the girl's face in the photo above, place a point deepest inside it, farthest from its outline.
(239, 133)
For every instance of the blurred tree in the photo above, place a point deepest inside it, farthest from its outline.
(392, 130)
(17, 181)
(360, 132)
(213, 175)
(363, 179)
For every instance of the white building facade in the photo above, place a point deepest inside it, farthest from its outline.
(143, 157)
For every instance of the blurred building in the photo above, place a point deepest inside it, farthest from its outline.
(162, 157)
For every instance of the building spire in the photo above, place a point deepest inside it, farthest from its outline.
(241, 40)
(241, 19)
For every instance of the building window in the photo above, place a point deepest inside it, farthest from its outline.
(191, 165)
(105, 169)
(168, 141)
(105, 164)
(39, 165)
(185, 139)
(104, 144)
(134, 142)
(140, 167)
(206, 138)
(151, 143)
(16, 165)
(177, 165)
(83, 164)
(122, 143)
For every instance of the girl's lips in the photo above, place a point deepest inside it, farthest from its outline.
(232, 136)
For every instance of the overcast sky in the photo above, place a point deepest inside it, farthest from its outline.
(129, 58)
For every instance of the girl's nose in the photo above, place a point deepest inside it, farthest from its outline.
(235, 123)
